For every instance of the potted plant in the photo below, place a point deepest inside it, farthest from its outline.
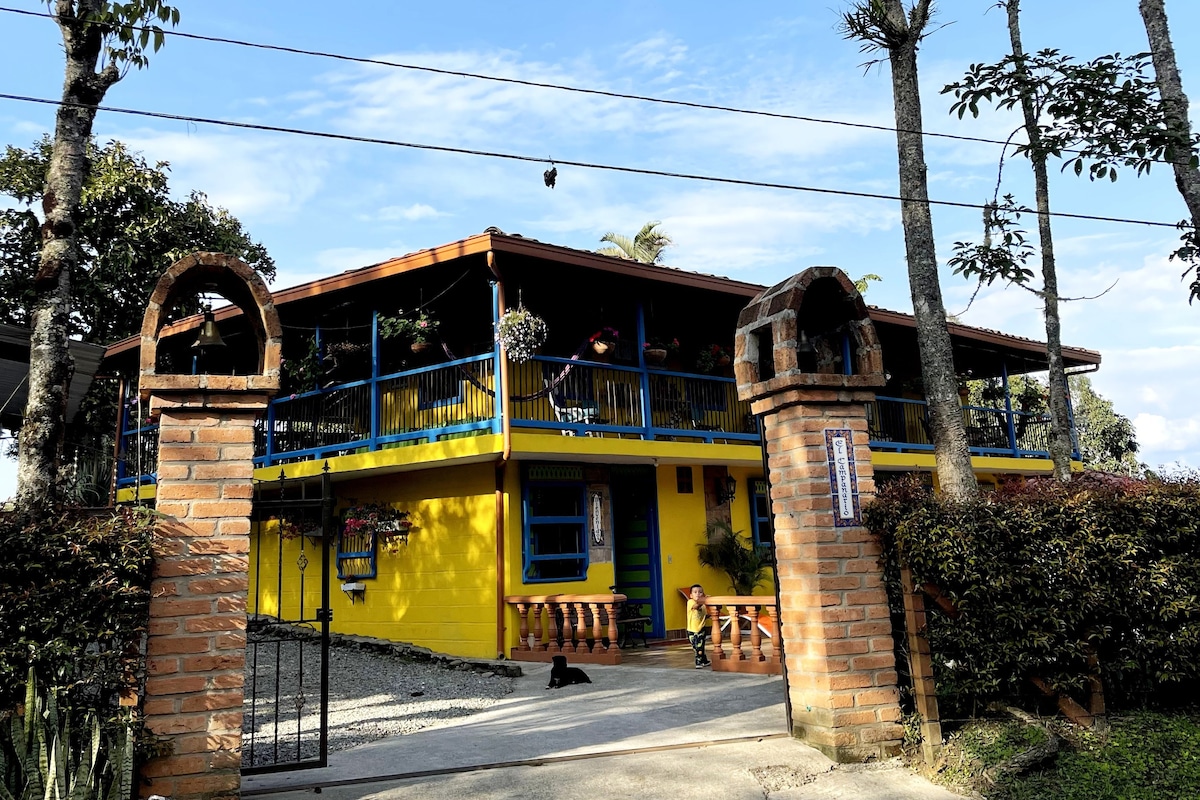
(604, 342)
(727, 550)
(418, 327)
(521, 332)
(712, 357)
(656, 350)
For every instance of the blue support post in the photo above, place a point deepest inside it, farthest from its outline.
(1008, 412)
(498, 409)
(320, 353)
(847, 364)
(643, 375)
(270, 437)
(375, 385)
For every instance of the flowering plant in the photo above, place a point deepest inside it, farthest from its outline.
(418, 327)
(655, 343)
(710, 357)
(605, 334)
(521, 333)
(374, 518)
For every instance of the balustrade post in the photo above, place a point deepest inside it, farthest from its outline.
(552, 625)
(714, 615)
(542, 608)
(568, 638)
(611, 610)
(776, 633)
(523, 644)
(735, 633)
(581, 627)
(597, 631)
(756, 653)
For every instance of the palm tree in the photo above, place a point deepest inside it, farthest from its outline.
(646, 246)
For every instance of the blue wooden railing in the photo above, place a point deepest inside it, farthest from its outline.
(457, 399)
(896, 423)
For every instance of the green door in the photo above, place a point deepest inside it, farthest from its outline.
(635, 523)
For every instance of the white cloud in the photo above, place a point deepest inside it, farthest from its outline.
(412, 213)
(655, 52)
(258, 177)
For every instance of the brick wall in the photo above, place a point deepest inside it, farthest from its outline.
(197, 643)
(834, 615)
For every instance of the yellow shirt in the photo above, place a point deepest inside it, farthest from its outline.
(697, 616)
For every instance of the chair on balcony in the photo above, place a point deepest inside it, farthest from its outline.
(582, 412)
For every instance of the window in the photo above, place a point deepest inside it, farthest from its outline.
(441, 387)
(555, 542)
(760, 518)
(683, 480)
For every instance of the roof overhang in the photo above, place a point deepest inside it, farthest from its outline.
(501, 243)
(14, 371)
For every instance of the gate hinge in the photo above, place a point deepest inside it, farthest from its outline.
(324, 615)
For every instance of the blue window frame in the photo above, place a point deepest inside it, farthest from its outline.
(441, 387)
(760, 518)
(356, 556)
(555, 546)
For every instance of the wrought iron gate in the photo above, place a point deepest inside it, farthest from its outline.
(286, 709)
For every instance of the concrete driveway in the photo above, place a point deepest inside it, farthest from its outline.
(632, 732)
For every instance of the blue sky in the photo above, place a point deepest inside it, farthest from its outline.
(323, 206)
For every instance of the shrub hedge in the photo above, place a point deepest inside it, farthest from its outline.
(74, 595)
(1045, 575)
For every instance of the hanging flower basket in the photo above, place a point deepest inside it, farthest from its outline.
(521, 332)
(655, 355)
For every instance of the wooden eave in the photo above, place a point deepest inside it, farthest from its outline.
(984, 336)
(501, 243)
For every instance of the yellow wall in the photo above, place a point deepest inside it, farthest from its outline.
(438, 591)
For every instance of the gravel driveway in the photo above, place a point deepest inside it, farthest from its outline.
(371, 696)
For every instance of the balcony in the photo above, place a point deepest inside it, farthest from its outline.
(902, 425)
(573, 397)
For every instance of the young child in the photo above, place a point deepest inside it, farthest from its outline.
(697, 624)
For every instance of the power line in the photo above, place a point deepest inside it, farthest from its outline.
(557, 86)
(582, 164)
(535, 84)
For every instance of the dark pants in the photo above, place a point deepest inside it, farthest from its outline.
(697, 640)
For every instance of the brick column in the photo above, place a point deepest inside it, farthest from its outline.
(197, 644)
(807, 359)
(834, 614)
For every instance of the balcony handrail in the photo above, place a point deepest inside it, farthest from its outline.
(380, 379)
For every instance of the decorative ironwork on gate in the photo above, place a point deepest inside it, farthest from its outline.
(286, 709)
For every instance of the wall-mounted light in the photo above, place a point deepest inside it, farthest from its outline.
(725, 489)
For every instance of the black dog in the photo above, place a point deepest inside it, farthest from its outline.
(561, 675)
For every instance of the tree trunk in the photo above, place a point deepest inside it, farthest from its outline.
(50, 364)
(956, 477)
(1060, 417)
(1175, 103)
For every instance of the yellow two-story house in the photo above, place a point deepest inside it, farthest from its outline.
(591, 469)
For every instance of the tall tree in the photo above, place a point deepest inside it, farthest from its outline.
(886, 25)
(1175, 110)
(1107, 440)
(1011, 83)
(646, 246)
(129, 230)
(100, 44)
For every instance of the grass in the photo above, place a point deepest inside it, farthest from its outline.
(1142, 756)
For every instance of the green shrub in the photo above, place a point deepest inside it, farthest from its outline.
(1045, 575)
(74, 594)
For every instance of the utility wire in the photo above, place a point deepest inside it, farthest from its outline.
(535, 84)
(555, 86)
(582, 164)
